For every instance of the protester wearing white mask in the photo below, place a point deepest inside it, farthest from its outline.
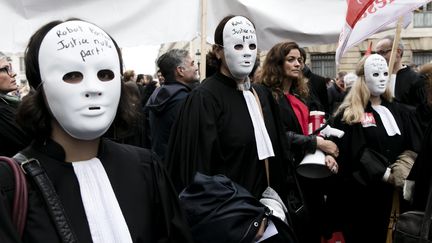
(372, 124)
(82, 91)
(109, 192)
(239, 48)
(221, 128)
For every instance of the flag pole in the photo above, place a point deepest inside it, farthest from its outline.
(395, 44)
(392, 79)
(203, 39)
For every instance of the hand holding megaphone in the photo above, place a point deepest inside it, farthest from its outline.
(315, 165)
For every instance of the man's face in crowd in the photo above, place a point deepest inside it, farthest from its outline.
(189, 70)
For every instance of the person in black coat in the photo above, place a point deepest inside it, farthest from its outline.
(408, 84)
(12, 137)
(418, 183)
(110, 192)
(179, 70)
(282, 73)
(215, 131)
(318, 98)
(336, 92)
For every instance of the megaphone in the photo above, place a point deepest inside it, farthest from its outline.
(313, 165)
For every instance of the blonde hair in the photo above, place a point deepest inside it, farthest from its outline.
(355, 101)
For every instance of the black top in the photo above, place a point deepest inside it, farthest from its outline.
(163, 107)
(147, 92)
(318, 97)
(299, 143)
(421, 172)
(354, 203)
(145, 195)
(214, 135)
(12, 137)
(335, 96)
(409, 87)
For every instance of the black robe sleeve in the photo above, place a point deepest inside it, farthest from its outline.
(350, 145)
(8, 232)
(12, 137)
(172, 225)
(421, 172)
(193, 140)
(412, 127)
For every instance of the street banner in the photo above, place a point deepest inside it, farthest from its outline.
(152, 22)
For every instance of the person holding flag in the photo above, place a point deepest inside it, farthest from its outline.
(408, 87)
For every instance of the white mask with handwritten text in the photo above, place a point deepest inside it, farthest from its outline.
(240, 46)
(376, 74)
(80, 71)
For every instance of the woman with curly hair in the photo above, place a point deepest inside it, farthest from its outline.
(282, 73)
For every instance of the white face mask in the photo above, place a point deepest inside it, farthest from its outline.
(80, 71)
(376, 74)
(240, 46)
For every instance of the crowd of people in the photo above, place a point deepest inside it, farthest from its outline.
(137, 158)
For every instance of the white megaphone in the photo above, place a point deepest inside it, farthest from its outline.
(313, 165)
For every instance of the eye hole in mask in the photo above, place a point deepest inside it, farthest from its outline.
(76, 77)
(73, 77)
(239, 47)
(105, 75)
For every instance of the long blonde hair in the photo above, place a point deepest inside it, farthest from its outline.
(355, 101)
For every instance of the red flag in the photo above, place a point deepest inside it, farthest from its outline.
(370, 17)
(355, 10)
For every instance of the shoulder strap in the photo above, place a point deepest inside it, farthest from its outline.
(33, 168)
(20, 200)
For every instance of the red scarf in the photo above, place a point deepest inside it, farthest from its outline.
(301, 111)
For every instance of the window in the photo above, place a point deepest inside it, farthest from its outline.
(21, 65)
(423, 16)
(323, 65)
(420, 58)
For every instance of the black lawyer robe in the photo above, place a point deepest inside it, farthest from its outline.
(146, 197)
(421, 173)
(214, 135)
(12, 137)
(353, 203)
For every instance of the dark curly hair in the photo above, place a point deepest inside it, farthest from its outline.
(33, 113)
(273, 73)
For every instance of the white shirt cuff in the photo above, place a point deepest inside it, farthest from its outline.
(386, 174)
